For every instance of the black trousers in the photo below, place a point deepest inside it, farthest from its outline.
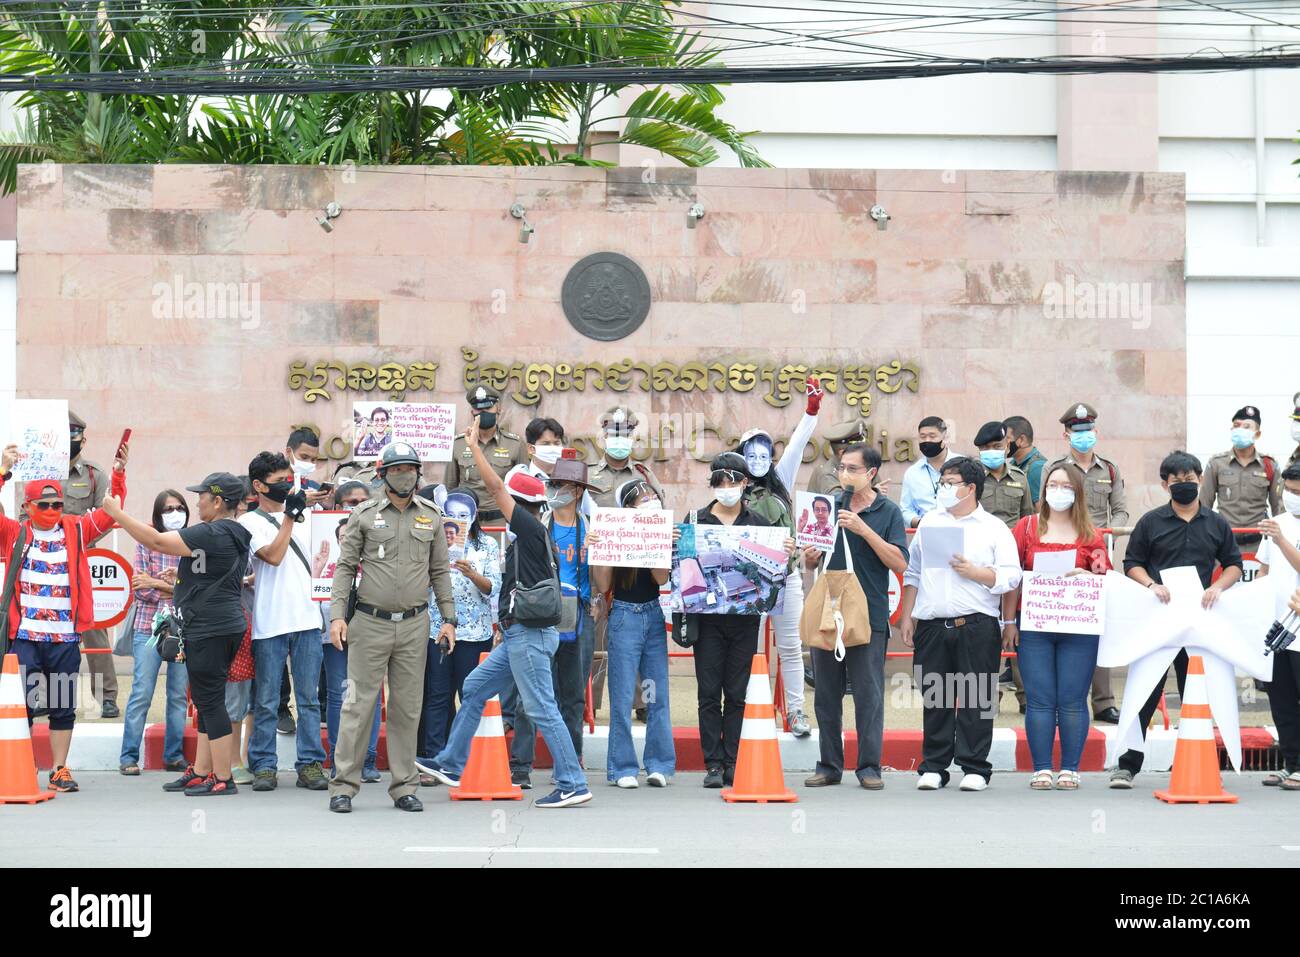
(724, 655)
(1284, 703)
(1131, 760)
(957, 668)
(864, 668)
(207, 662)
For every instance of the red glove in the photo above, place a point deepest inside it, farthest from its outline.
(815, 393)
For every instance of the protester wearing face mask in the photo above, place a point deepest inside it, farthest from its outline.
(726, 643)
(1024, 454)
(1056, 667)
(302, 450)
(769, 495)
(921, 480)
(1243, 484)
(1279, 560)
(153, 583)
(1183, 532)
(1104, 492)
(48, 597)
(950, 614)
(83, 490)
(502, 451)
(397, 541)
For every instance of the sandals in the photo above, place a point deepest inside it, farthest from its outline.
(130, 770)
(1291, 782)
(1069, 781)
(1274, 779)
(1041, 781)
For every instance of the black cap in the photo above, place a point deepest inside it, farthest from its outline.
(1248, 412)
(222, 484)
(989, 433)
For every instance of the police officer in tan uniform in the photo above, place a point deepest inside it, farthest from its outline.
(1246, 482)
(398, 540)
(503, 451)
(825, 480)
(1104, 488)
(84, 489)
(1006, 488)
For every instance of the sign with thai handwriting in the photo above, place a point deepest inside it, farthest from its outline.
(40, 429)
(632, 537)
(1053, 602)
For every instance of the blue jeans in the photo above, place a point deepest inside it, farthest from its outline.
(336, 686)
(1057, 672)
(444, 677)
(144, 679)
(303, 650)
(570, 669)
(637, 644)
(524, 657)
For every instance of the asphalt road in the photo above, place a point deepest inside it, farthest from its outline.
(132, 822)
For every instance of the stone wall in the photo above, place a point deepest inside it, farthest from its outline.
(1009, 291)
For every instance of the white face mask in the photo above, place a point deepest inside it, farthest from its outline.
(947, 496)
(728, 496)
(1060, 499)
(548, 454)
(175, 521)
(1291, 502)
(618, 446)
(649, 503)
(300, 467)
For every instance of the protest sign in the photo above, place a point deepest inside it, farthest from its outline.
(39, 427)
(816, 525)
(1053, 602)
(632, 537)
(429, 427)
(326, 528)
(110, 586)
(729, 569)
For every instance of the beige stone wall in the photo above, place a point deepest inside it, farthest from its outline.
(785, 267)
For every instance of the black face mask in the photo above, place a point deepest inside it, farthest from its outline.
(1184, 493)
(278, 491)
(931, 450)
(74, 447)
(487, 420)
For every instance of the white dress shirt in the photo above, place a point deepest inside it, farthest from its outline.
(941, 592)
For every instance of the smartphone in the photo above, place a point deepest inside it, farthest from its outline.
(126, 437)
(326, 486)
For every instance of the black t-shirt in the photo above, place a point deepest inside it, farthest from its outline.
(886, 520)
(220, 555)
(643, 589)
(1161, 540)
(531, 550)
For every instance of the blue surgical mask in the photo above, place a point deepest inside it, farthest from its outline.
(993, 458)
(1083, 441)
(618, 446)
(1243, 438)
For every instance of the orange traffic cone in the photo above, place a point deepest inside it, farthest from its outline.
(17, 763)
(1195, 778)
(487, 772)
(758, 764)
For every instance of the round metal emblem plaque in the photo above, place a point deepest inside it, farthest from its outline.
(605, 296)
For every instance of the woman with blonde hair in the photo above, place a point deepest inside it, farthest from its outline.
(1056, 667)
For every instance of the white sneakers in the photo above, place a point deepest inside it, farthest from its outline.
(656, 780)
(930, 781)
(628, 782)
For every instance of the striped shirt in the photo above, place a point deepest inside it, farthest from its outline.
(149, 600)
(45, 589)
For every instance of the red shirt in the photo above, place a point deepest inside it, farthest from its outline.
(1027, 546)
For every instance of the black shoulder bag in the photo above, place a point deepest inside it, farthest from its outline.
(537, 606)
(292, 544)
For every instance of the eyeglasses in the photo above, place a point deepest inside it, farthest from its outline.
(48, 506)
(173, 508)
(850, 469)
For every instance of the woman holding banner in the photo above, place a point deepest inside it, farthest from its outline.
(637, 646)
(1056, 667)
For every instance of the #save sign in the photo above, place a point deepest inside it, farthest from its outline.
(110, 583)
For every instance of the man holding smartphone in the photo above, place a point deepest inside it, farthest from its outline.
(501, 449)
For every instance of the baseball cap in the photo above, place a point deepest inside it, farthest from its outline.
(221, 484)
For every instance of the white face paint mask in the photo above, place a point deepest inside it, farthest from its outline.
(1291, 502)
(1060, 499)
(175, 521)
(548, 454)
(758, 457)
(728, 496)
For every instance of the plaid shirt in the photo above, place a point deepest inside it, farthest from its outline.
(149, 600)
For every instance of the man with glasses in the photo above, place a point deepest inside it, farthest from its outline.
(950, 613)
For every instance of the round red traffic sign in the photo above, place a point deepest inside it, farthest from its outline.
(110, 583)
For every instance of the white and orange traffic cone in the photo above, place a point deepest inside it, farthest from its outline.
(758, 763)
(17, 762)
(487, 772)
(1195, 778)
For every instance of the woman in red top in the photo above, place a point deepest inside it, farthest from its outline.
(1056, 667)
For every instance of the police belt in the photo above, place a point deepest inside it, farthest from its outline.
(381, 613)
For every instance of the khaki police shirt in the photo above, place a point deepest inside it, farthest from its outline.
(607, 479)
(825, 480)
(84, 489)
(503, 452)
(1245, 494)
(413, 559)
(1105, 495)
(1008, 497)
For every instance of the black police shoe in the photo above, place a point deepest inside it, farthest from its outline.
(341, 804)
(408, 802)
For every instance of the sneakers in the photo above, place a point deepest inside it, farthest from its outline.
(522, 779)
(1121, 780)
(184, 781)
(438, 773)
(930, 781)
(974, 782)
(729, 775)
(241, 775)
(799, 725)
(628, 782)
(370, 775)
(211, 786)
(265, 780)
(61, 781)
(285, 725)
(713, 776)
(312, 777)
(656, 780)
(558, 798)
